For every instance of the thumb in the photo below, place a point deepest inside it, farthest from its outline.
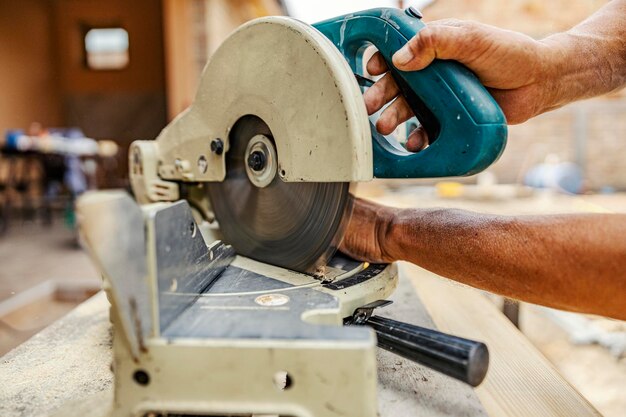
(437, 40)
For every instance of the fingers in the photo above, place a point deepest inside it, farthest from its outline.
(396, 113)
(376, 65)
(439, 40)
(417, 140)
(446, 39)
(381, 93)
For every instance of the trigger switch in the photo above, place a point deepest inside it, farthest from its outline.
(413, 12)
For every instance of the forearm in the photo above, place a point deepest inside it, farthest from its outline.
(573, 262)
(589, 59)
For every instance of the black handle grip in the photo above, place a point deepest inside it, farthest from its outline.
(462, 359)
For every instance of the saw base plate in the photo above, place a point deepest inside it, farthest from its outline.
(227, 323)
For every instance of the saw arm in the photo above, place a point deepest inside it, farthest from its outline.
(277, 134)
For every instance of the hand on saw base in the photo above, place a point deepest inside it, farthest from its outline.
(526, 77)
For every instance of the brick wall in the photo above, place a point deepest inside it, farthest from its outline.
(591, 133)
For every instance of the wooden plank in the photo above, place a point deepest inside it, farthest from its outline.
(520, 381)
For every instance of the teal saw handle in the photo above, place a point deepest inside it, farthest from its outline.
(466, 127)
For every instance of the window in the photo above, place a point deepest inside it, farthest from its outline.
(106, 49)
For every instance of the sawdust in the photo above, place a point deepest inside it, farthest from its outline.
(406, 388)
(320, 274)
(51, 372)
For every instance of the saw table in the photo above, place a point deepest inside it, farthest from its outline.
(65, 370)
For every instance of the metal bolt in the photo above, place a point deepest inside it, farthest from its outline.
(141, 377)
(256, 160)
(413, 12)
(217, 146)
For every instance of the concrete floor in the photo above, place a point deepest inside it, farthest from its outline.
(35, 259)
(31, 254)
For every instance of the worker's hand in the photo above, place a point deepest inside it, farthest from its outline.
(516, 69)
(368, 235)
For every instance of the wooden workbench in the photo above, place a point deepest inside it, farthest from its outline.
(65, 370)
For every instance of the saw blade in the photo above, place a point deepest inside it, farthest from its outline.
(295, 225)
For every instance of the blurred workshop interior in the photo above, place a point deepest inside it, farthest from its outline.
(81, 79)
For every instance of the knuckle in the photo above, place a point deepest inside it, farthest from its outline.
(427, 39)
(379, 100)
(390, 86)
(474, 30)
(379, 95)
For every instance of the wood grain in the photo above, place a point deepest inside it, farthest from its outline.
(520, 381)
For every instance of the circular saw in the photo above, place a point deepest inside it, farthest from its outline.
(279, 131)
(226, 265)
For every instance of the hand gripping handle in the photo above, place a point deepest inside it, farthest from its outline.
(465, 125)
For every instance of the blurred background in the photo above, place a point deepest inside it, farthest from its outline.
(81, 79)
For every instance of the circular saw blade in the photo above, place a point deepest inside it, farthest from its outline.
(295, 225)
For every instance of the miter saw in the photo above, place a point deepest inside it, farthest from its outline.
(228, 297)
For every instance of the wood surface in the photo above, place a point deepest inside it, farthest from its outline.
(68, 361)
(520, 381)
(64, 370)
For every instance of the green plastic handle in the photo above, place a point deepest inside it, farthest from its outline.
(465, 125)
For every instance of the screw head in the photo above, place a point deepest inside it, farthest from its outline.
(256, 161)
(413, 12)
(217, 146)
(141, 377)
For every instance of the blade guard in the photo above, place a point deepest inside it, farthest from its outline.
(468, 126)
